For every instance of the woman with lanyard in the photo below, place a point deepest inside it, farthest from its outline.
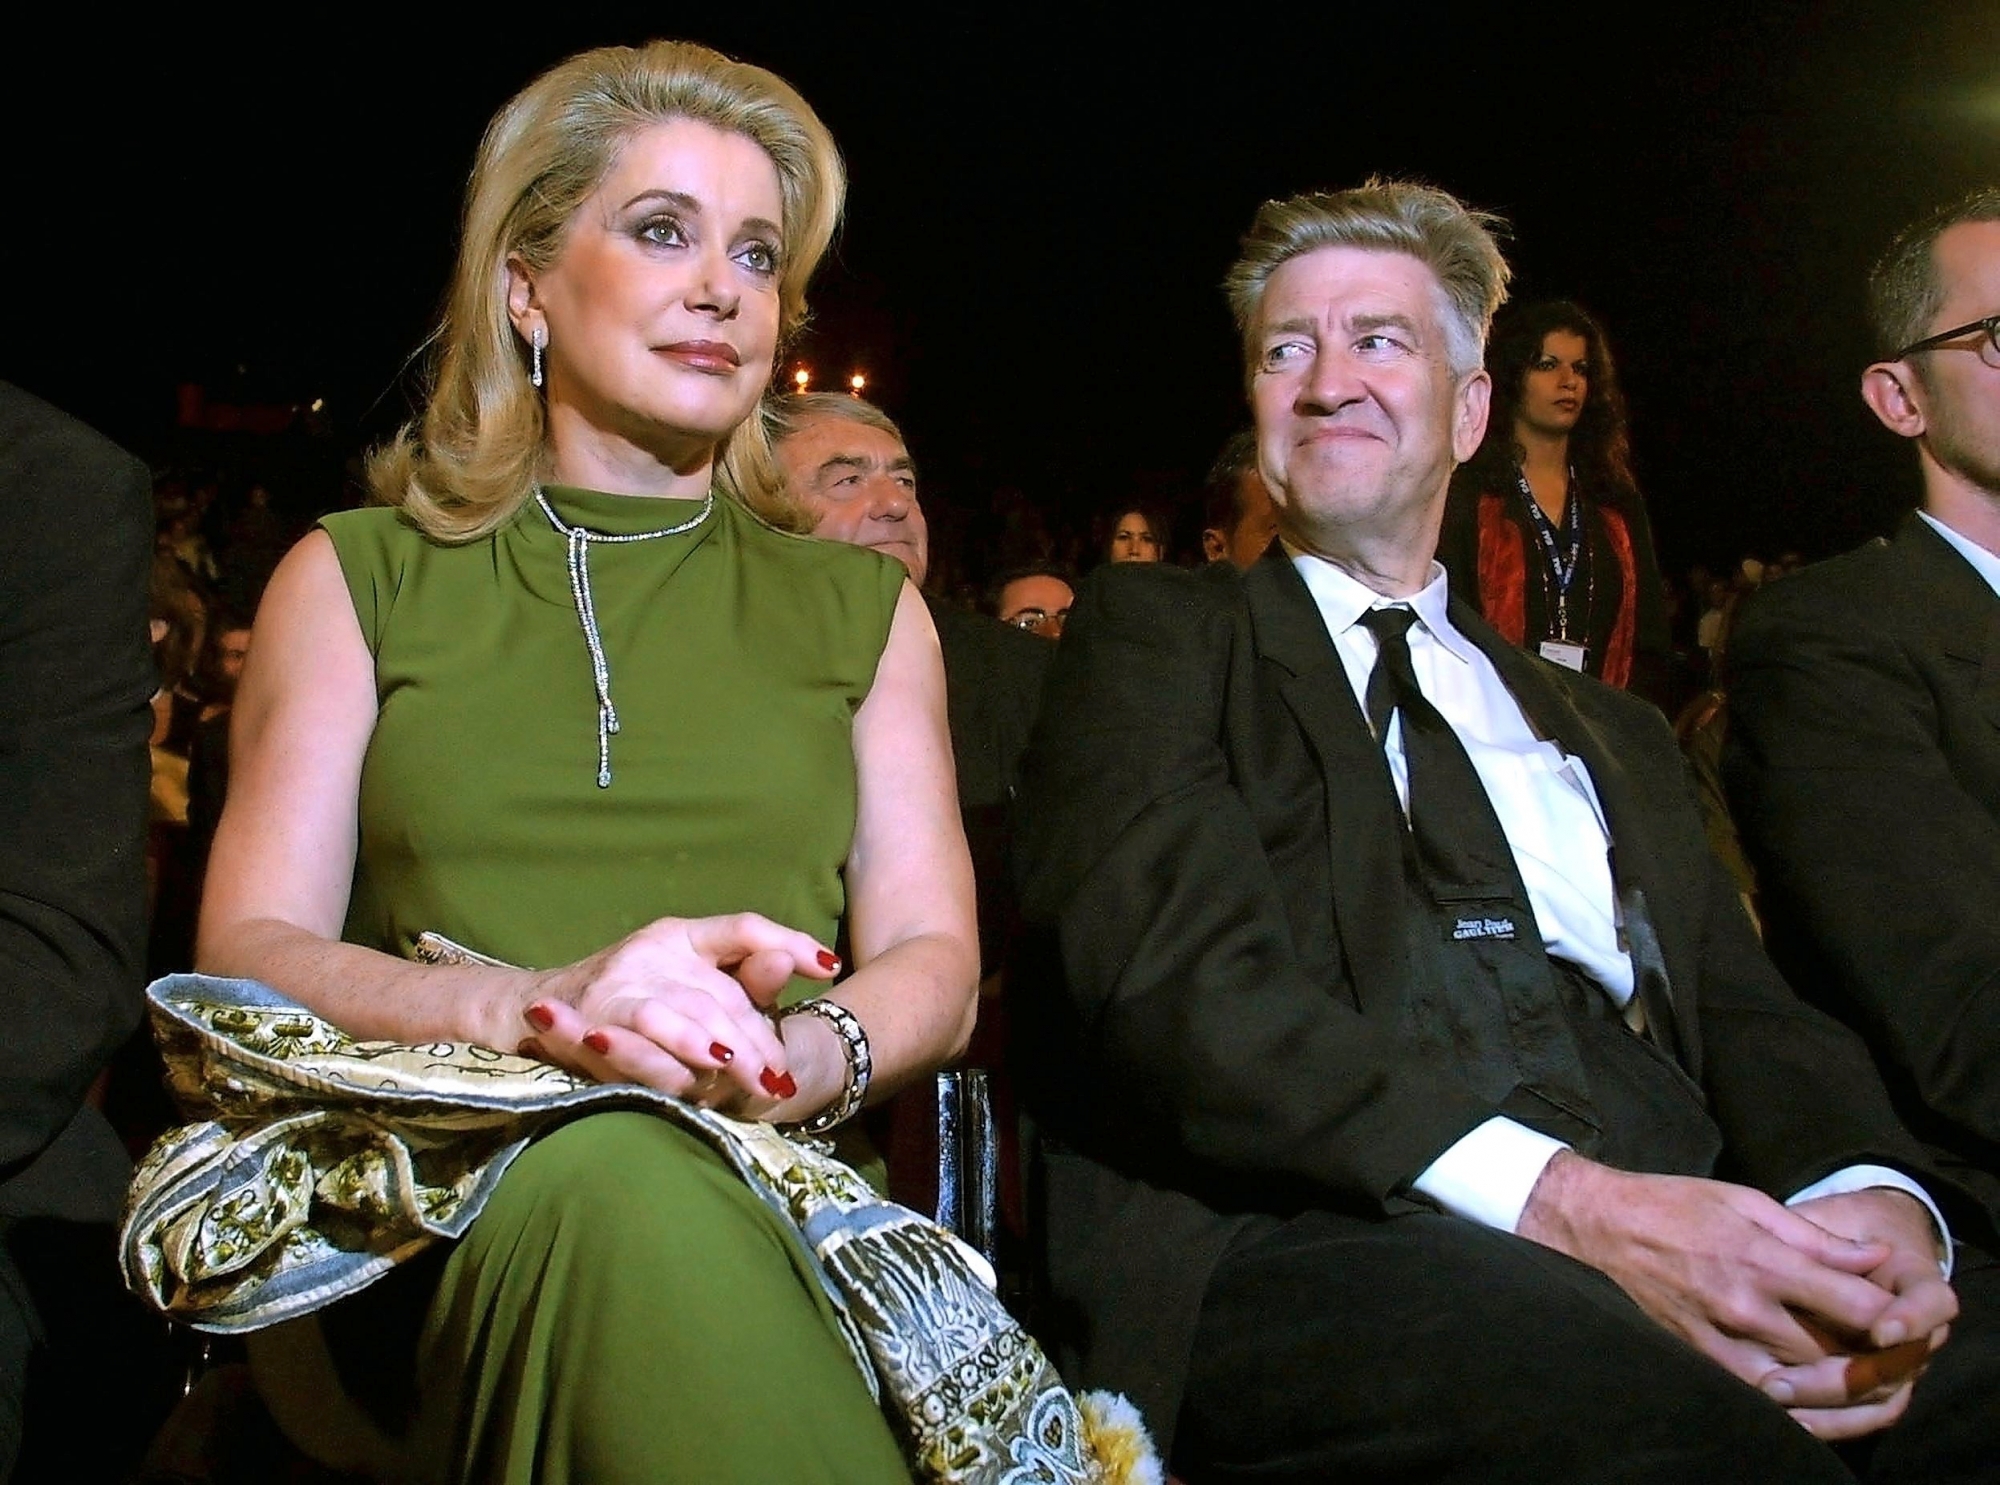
(1545, 533)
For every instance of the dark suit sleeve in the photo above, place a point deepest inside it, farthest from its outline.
(1875, 866)
(1190, 1042)
(75, 676)
(1795, 1092)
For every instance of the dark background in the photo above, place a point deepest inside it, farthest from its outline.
(1039, 218)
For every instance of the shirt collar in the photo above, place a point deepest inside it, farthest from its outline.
(1343, 599)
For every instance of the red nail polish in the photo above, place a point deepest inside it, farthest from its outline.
(721, 1053)
(786, 1087)
(828, 961)
(597, 1041)
(777, 1084)
(540, 1017)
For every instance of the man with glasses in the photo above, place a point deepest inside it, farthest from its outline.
(1863, 762)
(1035, 598)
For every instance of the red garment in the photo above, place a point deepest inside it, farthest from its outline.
(1503, 581)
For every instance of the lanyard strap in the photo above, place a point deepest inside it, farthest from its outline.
(1562, 549)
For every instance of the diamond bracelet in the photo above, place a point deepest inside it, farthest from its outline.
(860, 1066)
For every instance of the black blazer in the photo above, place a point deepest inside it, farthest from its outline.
(993, 676)
(1208, 838)
(1863, 770)
(75, 679)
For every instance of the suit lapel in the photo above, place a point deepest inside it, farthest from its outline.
(1635, 864)
(1364, 820)
(1963, 612)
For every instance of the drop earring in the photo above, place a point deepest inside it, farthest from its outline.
(538, 339)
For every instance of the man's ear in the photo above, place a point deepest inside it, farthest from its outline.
(1472, 402)
(1893, 394)
(1213, 544)
(523, 307)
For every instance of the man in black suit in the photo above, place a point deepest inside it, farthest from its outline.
(75, 680)
(1863, 760)
(1377, 1144)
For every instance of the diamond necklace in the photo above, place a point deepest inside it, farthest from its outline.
(579, 540)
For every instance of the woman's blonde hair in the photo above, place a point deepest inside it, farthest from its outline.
(473, 458)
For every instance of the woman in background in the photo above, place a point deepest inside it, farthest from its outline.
(1136, 534)
(1545, 532)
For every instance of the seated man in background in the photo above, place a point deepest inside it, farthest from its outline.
(1035, 597)
(1238, 519)
(846, 462)
(1863, 755)
(1417, 1101)
(75, 681)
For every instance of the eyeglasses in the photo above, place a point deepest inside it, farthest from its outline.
(1990, 327)
(1040, 621)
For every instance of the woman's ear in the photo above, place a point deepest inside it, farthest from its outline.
(524, 308)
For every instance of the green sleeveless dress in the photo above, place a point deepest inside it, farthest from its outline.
(623, 1308)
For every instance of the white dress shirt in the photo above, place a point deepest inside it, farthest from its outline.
(1549, 811)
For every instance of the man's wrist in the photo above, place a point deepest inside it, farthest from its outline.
(1543, 1215)
(1486, 1175)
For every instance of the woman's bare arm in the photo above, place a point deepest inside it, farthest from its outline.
(276, 893)
(909, 881)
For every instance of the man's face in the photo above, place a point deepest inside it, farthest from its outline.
(1256, 522)
(1038, 604)
(861, 487)
(1360, 417)
(232, 648)
(1958, 385)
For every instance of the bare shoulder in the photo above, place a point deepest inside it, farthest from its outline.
(911, 665)
(309, 640)
(307, 593)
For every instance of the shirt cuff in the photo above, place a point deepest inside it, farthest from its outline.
(1863, 1177)
(1488, 1174)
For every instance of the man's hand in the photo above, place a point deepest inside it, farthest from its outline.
(1733, 1272)
(1864, 1381)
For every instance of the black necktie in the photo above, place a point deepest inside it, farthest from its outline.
(1460, 845)
(1538, 1040)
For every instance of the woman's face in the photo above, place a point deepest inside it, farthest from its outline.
(1556, 384)
(1133, 540)
(661, 307)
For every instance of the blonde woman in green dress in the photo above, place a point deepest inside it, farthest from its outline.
(574, 697)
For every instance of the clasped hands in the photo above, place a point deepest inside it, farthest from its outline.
(685, 1005)
(1831, 1308)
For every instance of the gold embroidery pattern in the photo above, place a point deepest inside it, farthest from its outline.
(318, 1162)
